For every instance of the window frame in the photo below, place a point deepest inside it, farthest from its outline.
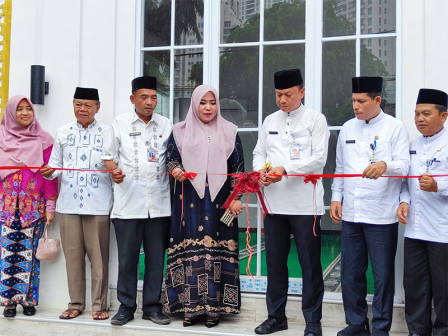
(313, 73)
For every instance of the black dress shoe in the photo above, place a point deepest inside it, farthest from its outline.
(121, 318)
(29, 310)
(9, 312)
(356, 330)
(156, 317)
(313, 329)
(271, 325)
(414, 334)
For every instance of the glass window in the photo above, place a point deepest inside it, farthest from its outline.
(254, 42)
(338, 21)
(243, 63)
(284, 20)
(157, 18)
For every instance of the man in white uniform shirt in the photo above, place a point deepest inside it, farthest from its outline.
(424, 201)
(84, 203)
(295, 141)
(141, 209)
(372, 144)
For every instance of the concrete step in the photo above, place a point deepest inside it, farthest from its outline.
(253, 312)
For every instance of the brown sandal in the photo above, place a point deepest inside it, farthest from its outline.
(99, 315)
(69, 314)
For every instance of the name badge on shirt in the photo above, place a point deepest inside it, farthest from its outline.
(152, 155)
(273, 132)
(135, 133)
(350, 141)
(294, 152)
(412, 152)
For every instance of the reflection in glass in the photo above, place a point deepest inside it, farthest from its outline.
(284, 20)
(238, 81)
(157, 64)
(378, 59)
(187, 75)
(157, 20)
(189, 26)
(339, 17)
(338, 67)
(240, 21)
(379, 17)
(279, 58)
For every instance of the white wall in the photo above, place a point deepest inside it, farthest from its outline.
(81, 43)
(425, 52)
(92, 44)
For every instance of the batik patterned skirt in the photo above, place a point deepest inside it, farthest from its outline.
(19, 267)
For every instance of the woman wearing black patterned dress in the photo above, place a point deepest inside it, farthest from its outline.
(203, 265)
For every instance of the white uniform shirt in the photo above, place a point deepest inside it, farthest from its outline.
(307, 131)
(145, 190)
(83, 193)
(428, 212)
(367, 200)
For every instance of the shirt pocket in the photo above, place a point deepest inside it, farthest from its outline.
(302, 138)
(383, 151)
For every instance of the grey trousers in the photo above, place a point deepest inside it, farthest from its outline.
(81, 234)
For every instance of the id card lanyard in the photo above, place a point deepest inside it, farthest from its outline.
(294, 148)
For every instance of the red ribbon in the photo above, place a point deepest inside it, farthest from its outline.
(39, 168)
(247, 183)
(313, 179)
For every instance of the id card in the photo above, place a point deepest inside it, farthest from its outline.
(294, 152)
(152, 155)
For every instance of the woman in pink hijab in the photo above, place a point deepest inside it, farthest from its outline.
(27, 203)
(203, 256)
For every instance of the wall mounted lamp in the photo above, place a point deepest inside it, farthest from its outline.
(39, 87)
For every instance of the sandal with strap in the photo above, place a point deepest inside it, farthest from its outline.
(189, 321)
(211, 322)
(70, 314)
(99, 315)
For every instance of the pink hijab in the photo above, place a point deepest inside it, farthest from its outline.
(199, 155)
(19, 145)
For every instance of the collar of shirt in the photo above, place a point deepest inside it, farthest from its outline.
(296, 111)
(376, 119)
(434, 137)
(92, 125)
(135, 118)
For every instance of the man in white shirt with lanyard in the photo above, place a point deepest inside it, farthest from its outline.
(141, 209)
(84, 203)
(372, 144)
(293, 140)
(424, 210)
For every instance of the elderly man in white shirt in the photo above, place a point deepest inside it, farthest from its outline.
(84, 203)
(372, 144)
(141, 209)
(295, 141)
(424, 209)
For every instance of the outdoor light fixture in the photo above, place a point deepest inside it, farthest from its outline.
(39, 87)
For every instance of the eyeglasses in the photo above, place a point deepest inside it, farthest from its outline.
(86, 105)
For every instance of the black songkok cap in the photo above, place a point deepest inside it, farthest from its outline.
(144, 82)
(86, 93)
(431, 96)
(367, 84)
(286, 79)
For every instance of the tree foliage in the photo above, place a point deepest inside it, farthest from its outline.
(239, 66)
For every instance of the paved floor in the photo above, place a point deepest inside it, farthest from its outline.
(46, 322)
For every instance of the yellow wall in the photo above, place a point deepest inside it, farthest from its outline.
(5, 32)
